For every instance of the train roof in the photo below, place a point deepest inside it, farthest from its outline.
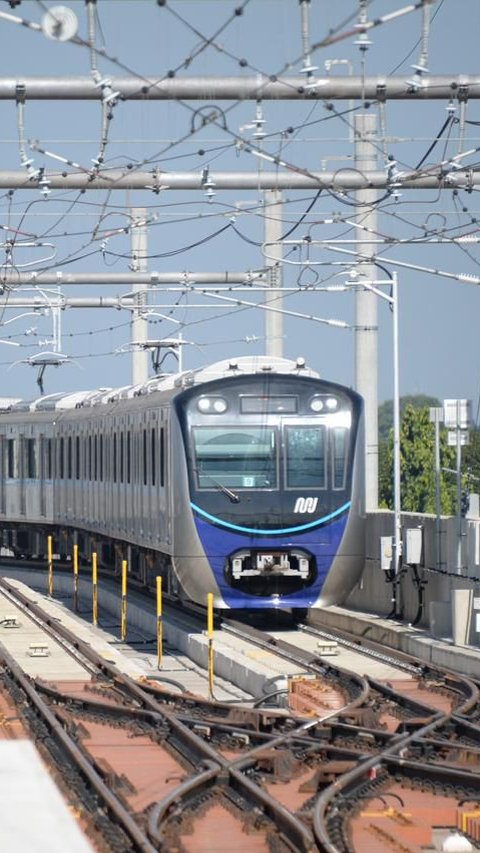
(245, 365)
(6, 403)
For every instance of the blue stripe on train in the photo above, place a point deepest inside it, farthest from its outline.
(279, 531)
(320, 541)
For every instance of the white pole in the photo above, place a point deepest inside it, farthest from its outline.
(139, 321)
(437, 414)
(397, 539)
(366, 310)
(273, 234)
(458, 435)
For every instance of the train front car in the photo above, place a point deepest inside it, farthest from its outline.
(275, 489)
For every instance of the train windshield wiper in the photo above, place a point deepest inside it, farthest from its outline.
(232, 496)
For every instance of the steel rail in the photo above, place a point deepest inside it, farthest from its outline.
(121, 680)
(112, 803)
(357, 775)
(455, 682)
(232, 768)
(311, 662)
(291, 824)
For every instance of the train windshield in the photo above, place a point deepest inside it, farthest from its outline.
(306, 451)
(316, 457)
(244, 458)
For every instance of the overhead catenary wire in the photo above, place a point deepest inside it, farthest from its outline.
(248, 233)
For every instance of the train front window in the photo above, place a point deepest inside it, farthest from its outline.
(339, 457)
(306, 457)
(241, 458)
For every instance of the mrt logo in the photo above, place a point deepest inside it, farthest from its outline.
(303, 505)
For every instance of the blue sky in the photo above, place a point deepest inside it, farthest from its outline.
(438, 317)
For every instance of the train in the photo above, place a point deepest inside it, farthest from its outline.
(244, 479)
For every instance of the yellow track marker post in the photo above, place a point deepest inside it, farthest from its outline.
(75, 578)
(123, 630)
(210, 642)
(159, 622)
(50, 564)
(94, 589)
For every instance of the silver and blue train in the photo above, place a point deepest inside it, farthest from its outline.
(244, 479)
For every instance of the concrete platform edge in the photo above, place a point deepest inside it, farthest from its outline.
(404, 638)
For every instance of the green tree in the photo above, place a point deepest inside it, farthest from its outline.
(471, 462)
(417, 460)
(385, 411)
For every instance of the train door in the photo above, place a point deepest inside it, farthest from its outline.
(21, 475)
(143, 474)
(165, 516)
(3, 447)
(41, 475)
(128, 476)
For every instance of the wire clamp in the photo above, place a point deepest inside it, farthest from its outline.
(20, 93)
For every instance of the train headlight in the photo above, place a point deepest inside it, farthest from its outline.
(212, 405)
(332, 404)
(316, 404)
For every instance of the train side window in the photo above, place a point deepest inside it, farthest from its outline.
(134, 455)
(107, 462)
(11, 458)
(62, 458)
(144, 456)
(306, 457)
(100, 453)
(49, 459)
(77, 457)
(89, 474)
(129, 457)
(95, 457)
(162, 456)
(30, 458)
(42, 457)
(339, 457)
(122, 450)
(153, 436)
(69, 458)
(114, 457)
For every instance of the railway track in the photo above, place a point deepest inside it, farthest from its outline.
(387, 761)
(66, 725)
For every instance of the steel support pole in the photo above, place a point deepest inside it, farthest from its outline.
(366, 310)
(397, 539)
(438, 504)
(281, 176)
(139, 321)
(187, 278)
(273, 234)
(458, 436)
(436, 417)
(436, 87)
